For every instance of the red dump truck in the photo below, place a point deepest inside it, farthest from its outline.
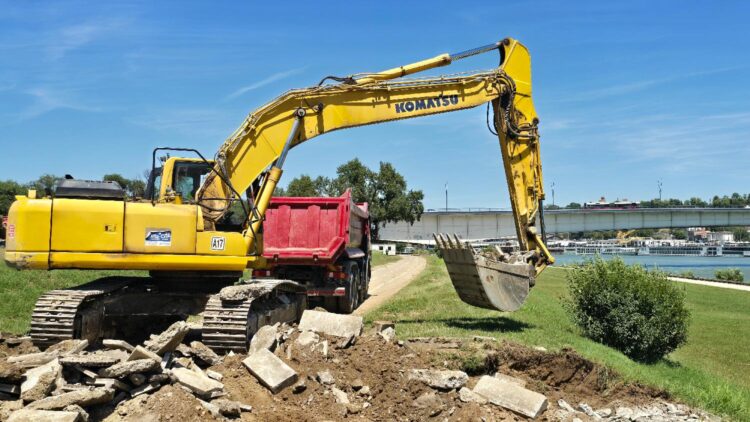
(323, 243)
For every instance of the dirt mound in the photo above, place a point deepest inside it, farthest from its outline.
(371, 379)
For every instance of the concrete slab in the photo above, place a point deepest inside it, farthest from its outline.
(117, 344)
(32, 360)
(168, 340)
(124, 369)
(442, 380)
(264, 338)
(92, 360)
(40, 381)
(204, 353)
(83, 397)
(140, 352)
(511, 396)
(307, 338)
(27, 415)
(199, 384)
(271, 371)
(508, 378)
(331, 324)
(466, 395)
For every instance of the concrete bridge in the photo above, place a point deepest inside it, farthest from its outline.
(483, 225)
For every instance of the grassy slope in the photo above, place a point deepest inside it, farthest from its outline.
(20, 289)
(710, 371)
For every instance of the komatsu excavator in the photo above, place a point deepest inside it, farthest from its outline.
(179, 233)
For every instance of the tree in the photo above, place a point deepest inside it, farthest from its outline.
(45, 184)
(8, 191)
(307, 186)
(679, 233)
(114, 177)
(573, 206)
(385, 191)
(551, 207)
(133, 187)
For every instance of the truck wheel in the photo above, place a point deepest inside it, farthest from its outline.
(364, 282)
(350, 302)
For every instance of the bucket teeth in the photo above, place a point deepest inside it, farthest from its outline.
(492, 281)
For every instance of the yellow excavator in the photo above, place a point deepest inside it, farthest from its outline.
(195, 256)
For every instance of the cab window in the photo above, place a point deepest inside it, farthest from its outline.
(188, 177)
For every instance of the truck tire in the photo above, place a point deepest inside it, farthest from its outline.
(348, 303)
(364, 281)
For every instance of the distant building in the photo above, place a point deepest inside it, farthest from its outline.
(698, 234)
(385, 248)
(721, 237)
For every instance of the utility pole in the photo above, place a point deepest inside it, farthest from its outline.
(658, 183)
(553, 193)
(446, 196)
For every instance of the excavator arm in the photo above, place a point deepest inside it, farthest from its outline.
(251, 159)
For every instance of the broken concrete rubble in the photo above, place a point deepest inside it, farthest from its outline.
(331, 324)
(141, 352)
(204, 353)
(466, 395)
(40, 381)
(511, 396)
(117, 345)
(325, 378)
(199, 384)
(307, 338)
(29, 415)
(123, 369)
(169, 339)
(91, 360)
(70, 346)
(443, 380)
(228, 408)
(264, 338)
(271, 371)
(83, 397)
(32, 360)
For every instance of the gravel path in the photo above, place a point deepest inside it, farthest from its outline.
(388, 279)
(712, 283)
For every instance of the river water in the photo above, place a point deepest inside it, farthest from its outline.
(701, 266)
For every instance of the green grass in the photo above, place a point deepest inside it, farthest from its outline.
(711, 371)
(379, 258)
(19, 291)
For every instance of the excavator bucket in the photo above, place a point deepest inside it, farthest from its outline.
(493, 281)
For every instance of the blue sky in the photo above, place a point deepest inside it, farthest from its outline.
(628, 93)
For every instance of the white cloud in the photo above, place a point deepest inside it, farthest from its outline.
(70, 38)
(263, 82)
(46, 100)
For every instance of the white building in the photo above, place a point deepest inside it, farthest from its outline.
(385, 248)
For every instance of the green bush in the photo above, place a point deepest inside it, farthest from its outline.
(638, 312)
(730, 274)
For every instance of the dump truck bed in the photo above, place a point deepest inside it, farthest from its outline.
(314, 230)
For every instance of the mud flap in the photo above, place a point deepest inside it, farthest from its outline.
(485, 282)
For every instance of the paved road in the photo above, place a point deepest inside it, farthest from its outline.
(712, 284)
(388, 279)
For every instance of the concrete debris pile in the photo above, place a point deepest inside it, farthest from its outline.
(324, 368)
(62, 382)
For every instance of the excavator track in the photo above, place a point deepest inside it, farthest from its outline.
(233, 315)
(56, 314)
